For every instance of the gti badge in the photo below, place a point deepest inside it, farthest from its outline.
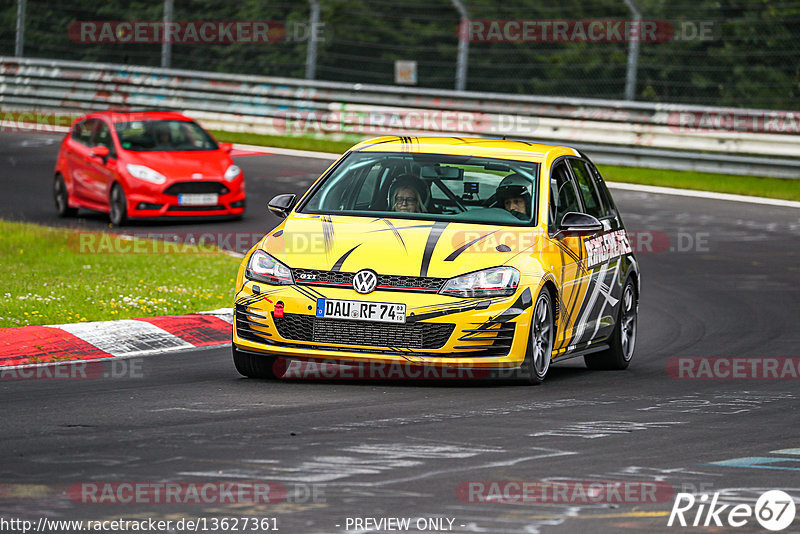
(365, 281)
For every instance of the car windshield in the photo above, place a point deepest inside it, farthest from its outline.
(430, 187)
(162, 135)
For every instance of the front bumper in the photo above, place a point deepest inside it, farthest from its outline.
(440, 331)
(145, 203)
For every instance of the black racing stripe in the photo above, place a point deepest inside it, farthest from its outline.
(433, 238)
(440, 313)
(482, 305)
(567, 250)
(401, 227)
(570, 307)
(523, 302)
(392, 140)
(327, 232)
(247, 301)
(306, 293)
(338, 265)
(396, 233)
(314, 291)
(457, 252)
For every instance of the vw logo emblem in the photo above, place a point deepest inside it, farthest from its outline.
(365, 281)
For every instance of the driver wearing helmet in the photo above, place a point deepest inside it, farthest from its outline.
(408, 194)
(513, 192)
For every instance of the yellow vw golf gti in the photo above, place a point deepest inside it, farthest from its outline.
(495, 256)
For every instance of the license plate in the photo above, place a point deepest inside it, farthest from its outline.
(382, 312)
(209, 199)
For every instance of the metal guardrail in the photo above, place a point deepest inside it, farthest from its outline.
(668, 136)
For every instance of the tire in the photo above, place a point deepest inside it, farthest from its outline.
(61, 197)
(622, 341)
(117, 206)
(540, 340)
(253, 365)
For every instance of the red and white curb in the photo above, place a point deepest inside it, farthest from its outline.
(31, 345)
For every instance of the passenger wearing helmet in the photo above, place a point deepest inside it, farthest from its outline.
(514, 195)
(408, 194)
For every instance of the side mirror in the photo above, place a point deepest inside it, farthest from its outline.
(580, 224)
(281, 205)
(100, 151)
(226, 147)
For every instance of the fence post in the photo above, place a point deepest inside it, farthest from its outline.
(166, 46)
(463, 45)
(633, 51)
(311, 51)
(20, 42)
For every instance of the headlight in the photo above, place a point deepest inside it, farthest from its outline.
(494, 282)
(146, 173)
(264, 268)
(232, 172)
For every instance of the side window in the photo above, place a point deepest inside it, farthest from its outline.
(591, 200)
(102, 137)
(369, 187)
(605, 196)
(563, 197)
(82, 132)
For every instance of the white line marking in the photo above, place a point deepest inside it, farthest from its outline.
(704, 194)
(287, 151)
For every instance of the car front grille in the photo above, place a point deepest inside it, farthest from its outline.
(196, 208)
(386, 282)
(181, 188)
(418, 335)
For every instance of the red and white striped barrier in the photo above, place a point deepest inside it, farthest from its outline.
(111, 339)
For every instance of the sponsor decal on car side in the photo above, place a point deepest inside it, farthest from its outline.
(604, 247)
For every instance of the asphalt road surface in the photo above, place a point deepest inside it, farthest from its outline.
(723, 284)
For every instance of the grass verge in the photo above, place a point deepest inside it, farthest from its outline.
(281, 141)
(53, 276)
(786, 189)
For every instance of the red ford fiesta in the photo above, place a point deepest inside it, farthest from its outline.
(146, 164)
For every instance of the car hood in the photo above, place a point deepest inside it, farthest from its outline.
(181, 165)
(394, 246)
